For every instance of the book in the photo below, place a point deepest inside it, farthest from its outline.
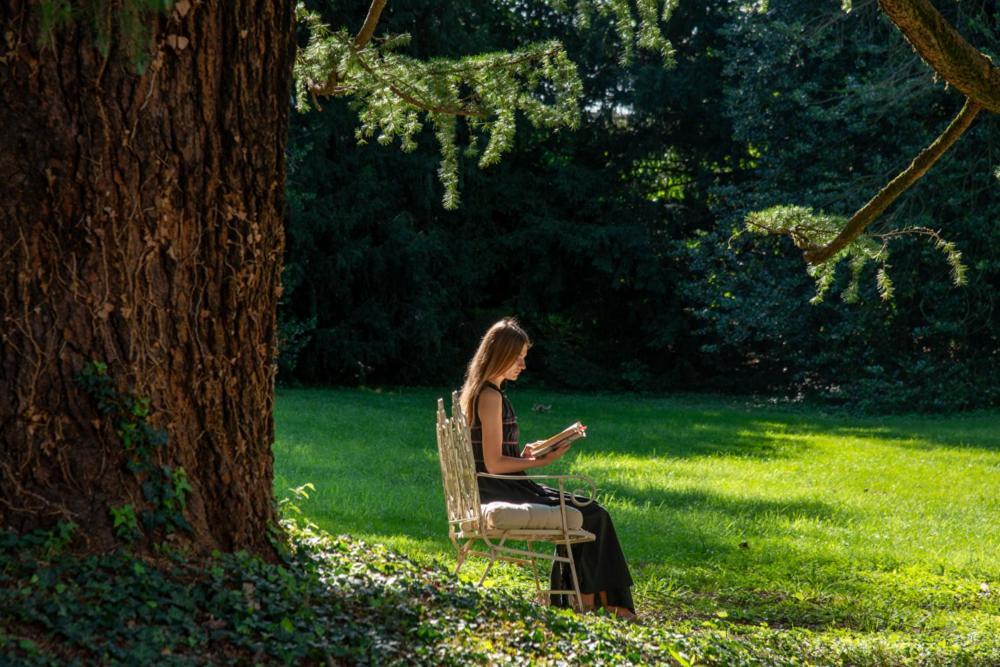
(572, 432)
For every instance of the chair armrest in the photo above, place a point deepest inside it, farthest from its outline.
(586, 496)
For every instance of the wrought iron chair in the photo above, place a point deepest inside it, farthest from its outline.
(471, 523)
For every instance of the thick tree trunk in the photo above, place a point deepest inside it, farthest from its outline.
(141, 225)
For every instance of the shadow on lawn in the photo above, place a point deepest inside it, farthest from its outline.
(923, 433)
(672, 527)
(700, 434)
(716, 433)
(686, 527)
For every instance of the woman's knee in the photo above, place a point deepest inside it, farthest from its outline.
(597, 514)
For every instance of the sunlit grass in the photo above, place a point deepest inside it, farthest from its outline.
(759, 515)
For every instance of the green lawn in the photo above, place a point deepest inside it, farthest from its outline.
(728, 513)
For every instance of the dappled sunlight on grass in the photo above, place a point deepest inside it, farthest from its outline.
(761, 515)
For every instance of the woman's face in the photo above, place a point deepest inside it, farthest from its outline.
(515, 368)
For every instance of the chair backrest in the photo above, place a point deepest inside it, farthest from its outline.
(458, 469)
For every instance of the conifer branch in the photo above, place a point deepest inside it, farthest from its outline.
(962, 65)
(330, 86)
(396, 95)
(411, 99)
(817, 254)
(823, 240)
(371, 20)
(517, 60)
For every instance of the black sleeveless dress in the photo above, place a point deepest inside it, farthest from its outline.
(600, 565)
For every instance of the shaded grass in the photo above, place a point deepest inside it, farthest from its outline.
(755, 515)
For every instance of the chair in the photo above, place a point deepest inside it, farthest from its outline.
(494, 525)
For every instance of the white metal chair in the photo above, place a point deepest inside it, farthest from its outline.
(470, 523)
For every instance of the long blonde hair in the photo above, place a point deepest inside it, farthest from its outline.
(498, 350)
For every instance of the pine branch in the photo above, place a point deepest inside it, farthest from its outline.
(396, 96)
(413, 100)
(371, 20)
(817, 254)
(330, 86)
(962, 65)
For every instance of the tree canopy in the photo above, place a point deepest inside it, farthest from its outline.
(615, 242)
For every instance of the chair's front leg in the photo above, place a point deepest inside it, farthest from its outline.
(534, 574)
(463, 552)
(489, 566)
(494, 554)
(576, 582)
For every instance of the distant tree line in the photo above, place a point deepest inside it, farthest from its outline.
(617, 244)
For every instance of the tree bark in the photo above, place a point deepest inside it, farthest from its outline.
(954, 60)
(942, 47)
(141, 226)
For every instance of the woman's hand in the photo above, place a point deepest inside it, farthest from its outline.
(529, 448)
(549, 457)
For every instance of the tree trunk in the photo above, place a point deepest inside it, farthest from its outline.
(141, 226)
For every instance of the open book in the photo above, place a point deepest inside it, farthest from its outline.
(572, 432)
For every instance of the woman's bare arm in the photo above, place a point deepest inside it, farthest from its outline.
(490, 409)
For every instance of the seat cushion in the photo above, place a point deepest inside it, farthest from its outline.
(512, 516)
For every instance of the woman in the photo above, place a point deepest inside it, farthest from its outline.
(601, 568)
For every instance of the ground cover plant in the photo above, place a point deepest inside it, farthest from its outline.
(758, 535)
(783, 524)
(329, 601)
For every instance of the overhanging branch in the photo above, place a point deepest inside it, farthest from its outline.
(897, 186)
(963, 67)
(331, 85)
(415, 101)
(956, 61)
(368, 29)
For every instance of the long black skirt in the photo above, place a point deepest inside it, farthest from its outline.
(600, 565)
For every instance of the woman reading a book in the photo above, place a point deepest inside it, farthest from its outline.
(601, 568)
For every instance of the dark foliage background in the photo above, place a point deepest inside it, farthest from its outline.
(615, 244)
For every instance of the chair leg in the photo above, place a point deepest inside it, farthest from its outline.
(462, 555)
(534, 575)
(493, 559)
(576, 582)
(529, 558)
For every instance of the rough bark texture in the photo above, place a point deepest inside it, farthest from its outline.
(946, 51)
(141, 225)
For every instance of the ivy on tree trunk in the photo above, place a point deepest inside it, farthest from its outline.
(141, 226)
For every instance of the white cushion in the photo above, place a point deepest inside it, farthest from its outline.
(512, 516)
